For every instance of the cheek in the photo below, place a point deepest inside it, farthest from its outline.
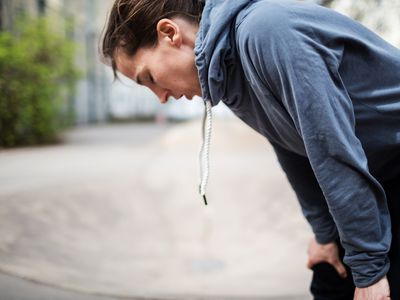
(175, 75)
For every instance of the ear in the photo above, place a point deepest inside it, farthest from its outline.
(169, 31)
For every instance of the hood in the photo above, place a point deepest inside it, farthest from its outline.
(215, 46)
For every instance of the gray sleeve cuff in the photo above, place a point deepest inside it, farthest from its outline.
(368, 272)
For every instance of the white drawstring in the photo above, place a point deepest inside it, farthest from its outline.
(205, 150)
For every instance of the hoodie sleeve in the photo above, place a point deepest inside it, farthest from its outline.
(283, 53)
(312, 201)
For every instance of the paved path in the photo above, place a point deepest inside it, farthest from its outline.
(15, 288)
(114, 211)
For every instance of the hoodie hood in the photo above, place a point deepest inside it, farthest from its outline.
(215, 48)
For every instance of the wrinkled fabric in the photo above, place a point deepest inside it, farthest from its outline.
(325, 91)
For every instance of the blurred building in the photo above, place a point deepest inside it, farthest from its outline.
(10, 9)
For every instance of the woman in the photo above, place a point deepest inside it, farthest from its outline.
(322, 88)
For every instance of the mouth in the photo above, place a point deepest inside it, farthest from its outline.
(179, 97)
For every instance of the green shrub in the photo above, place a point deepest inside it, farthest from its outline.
(37, 80)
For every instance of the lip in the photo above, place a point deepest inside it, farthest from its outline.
(179, 97)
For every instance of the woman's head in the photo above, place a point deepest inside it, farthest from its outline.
(145, 38)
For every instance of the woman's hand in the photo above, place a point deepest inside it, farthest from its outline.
(377, 291)
(329, 253)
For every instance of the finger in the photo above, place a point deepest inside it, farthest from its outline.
(340, 269)
(312, 262)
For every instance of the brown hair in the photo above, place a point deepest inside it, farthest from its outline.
(132, 24)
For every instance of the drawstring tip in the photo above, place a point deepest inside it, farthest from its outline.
(204, 196)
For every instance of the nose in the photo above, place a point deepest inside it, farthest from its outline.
(162, 94)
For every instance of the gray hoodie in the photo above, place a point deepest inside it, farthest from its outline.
(325, 91)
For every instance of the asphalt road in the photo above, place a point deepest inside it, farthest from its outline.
(15, 288)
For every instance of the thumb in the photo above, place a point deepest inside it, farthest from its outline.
(312, 262)
(340, 268)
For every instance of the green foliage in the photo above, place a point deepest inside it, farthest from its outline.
(37, 80)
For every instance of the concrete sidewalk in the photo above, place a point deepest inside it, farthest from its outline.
(115, 212)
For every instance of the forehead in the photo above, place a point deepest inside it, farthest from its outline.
(130, 66)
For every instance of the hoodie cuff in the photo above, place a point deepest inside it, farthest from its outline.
(366, 273)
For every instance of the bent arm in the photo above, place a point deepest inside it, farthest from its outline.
(304, 74)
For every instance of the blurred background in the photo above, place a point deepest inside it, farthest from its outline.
(98, 181)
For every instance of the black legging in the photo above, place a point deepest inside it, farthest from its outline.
(326, 284)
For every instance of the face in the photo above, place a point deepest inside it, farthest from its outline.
(168, 69)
